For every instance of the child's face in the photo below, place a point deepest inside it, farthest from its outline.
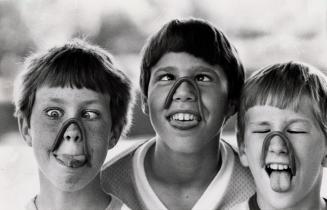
(180, 125)
(54, 106)
(276, 186)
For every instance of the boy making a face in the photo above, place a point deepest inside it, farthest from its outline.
(191, 78)
(72, 104)
(282, 133)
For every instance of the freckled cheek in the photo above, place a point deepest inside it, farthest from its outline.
(98, 135)
(44, 133)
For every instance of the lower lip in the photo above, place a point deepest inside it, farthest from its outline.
(61, 163)
(183, 125)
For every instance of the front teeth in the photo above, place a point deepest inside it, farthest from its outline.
(183, 117)
(276, 166)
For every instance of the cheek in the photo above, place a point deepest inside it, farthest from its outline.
(44, 132)
(98, 134)
(253, 147)
(214, 100)
(309, 148)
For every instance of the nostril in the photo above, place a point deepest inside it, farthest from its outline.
(76, 139)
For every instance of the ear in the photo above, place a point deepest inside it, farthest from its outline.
(114, 137)
(241, 150)
(231, 108)
(324, 160)
(145, 107)
(24, 129)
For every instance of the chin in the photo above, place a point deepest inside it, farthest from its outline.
(281, 200)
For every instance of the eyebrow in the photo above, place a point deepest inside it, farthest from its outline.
(194, 68)
(266, 123)
(261, 123)
(61, 101)
(164, 69)
(300, 120)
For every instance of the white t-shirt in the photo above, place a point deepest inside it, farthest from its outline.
(115, 204)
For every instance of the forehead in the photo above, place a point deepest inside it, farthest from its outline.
(185, 62)
(68, 95)
(270, 114)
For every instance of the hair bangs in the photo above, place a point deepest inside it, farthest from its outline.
(76, 70)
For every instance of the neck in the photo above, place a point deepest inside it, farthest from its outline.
(171, 167)
(89, 197)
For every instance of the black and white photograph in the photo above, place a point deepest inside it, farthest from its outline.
(163, 105)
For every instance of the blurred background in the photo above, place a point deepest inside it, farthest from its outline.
(263, 31)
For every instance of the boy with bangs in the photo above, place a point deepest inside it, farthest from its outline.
(72, 105)
(282, 136)
(191, 78)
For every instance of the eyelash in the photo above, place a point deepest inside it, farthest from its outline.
(54, 110)
(296, 132)
(203, 76)
(289, 131)
(169, 77)
(261, 131)
(93, 112)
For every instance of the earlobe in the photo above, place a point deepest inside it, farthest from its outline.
(115, 135)
(242, 155)
(24, 129)
(241, 149)
(231, 108)
(324, 161)
(145, 107)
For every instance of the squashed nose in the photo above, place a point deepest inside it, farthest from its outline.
(185, 92)
(72, 142)
(277, 146)
(73, 133)
(278, 143)
(190, 85)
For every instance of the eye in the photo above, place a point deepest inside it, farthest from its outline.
(261, 131)
(54, 113)
(166, 77)
(203, 78)
(90, 115)
(296, 131)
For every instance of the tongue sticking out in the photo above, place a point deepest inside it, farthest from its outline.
(73, 161)
(71, 154)
(280, 181)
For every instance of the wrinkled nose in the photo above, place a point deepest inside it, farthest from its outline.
(72, 141)
(185, 92)
(277, 146)
(73, 133)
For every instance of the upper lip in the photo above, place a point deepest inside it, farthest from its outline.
(187, 111)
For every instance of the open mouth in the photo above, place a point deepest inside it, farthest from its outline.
(280, 176)
(71, 161)
(184, 120)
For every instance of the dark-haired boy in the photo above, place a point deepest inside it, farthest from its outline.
(191, 78)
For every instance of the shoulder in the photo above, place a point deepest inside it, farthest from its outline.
(118, 168)
(241, 206)
(31, 204)
(241, 185)
(117, 174)
(117, 204)
(121, 150)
